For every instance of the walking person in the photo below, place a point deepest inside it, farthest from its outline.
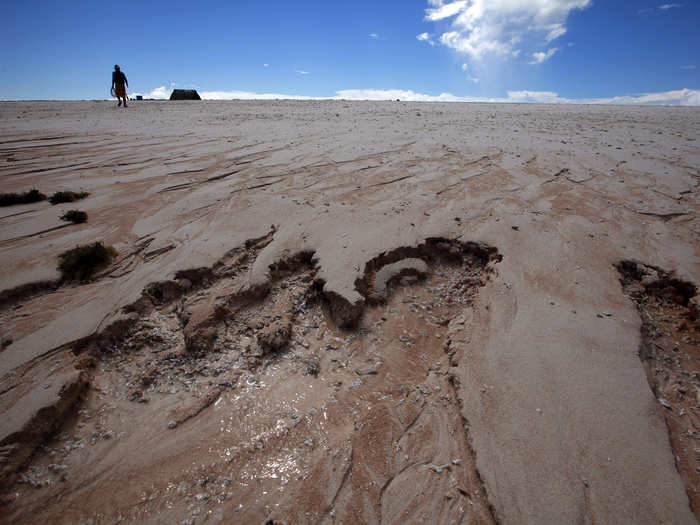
(119, 84)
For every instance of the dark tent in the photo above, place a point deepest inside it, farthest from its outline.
(185, 94)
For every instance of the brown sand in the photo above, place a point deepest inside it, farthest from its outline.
(237, 364)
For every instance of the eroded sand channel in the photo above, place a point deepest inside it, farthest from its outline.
(362, 423)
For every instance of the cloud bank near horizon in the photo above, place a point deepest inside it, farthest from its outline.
(680, 97)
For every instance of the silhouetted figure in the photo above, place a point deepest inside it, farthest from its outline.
(119, 83)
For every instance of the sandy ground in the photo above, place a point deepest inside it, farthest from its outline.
(352, 312)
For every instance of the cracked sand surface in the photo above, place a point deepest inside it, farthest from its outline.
(542, 396)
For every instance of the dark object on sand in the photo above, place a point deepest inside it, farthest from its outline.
(67, 196)
(33, 195)
(82, 261)
(185, 94)
(74, 216)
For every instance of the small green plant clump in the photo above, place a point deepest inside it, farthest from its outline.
(10, 199)
(313, 367)
(81, 262)
(67, 196)
(74, 216)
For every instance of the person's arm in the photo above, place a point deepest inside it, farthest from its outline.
(112, 79)
(126, 81)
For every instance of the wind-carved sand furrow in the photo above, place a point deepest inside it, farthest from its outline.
(176, 187)
(55, 145)
(392, 181)
(461, 180)
(664, 216)
(31, 138)
(186, 185)
(16, 214)
(256, 186)
(185, 172)
(5, 242)
(43, 170)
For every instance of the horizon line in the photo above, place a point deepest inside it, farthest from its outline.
(679, 97)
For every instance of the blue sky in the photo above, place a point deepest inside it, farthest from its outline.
(520, 50)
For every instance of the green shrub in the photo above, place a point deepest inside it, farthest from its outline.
(81, 262)
(74, 216)
(313, 367)
(67, 196)
(33, 195)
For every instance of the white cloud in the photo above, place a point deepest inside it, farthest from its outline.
(681, 97)
(247, 95)
(445, 10)
(302, 72)
(688, 67)
(266, 65)
(425, 37)
(475, 45)
(662, 7)
(538, 97)
(393, 94)
(481, 27)
(465, 67)
(541, 56)
(555, 31)
(374, 35)
(159, 93)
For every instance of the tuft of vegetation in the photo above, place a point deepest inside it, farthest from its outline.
(81, 262)
(10, 199)
(313, 367)
(74, 216)
(67, 196)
